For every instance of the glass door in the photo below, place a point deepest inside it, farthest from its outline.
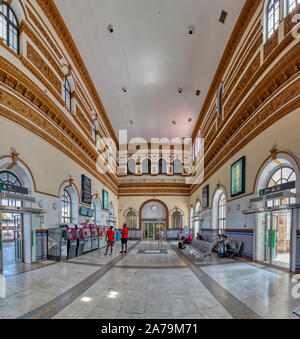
(273, 235)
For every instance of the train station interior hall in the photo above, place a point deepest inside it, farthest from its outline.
(149, 159)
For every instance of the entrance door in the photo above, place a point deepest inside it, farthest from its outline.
(273, 238)
(11, 238)
(148, 231)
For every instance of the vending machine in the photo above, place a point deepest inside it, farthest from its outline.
(87, 238)
(72, 240)
(58, 243)
(80, 240)
(95, 237)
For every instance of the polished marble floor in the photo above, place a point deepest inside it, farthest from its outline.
(148, 285)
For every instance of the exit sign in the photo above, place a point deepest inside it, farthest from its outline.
(1, 186)
(261, 193)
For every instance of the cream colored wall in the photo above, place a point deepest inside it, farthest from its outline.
(284, 133)
(126, 203)
(49, 166)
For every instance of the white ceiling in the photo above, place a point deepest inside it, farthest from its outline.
(152, 55)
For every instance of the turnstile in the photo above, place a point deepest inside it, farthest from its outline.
(58, 243)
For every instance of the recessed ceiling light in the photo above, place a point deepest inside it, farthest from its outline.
(191, 30)
(124, 89)
(223, 16)
(110, 28)
(174, 122)
(131, 122)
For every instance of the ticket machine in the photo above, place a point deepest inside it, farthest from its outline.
(80, 240)
(95, 237)
(87, 238)
(58, 243)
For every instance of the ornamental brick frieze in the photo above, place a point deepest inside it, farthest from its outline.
(28, 31)
(41, 65)
(264, 118)
(12, 76)
(229, 107)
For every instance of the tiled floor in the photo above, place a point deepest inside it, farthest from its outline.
(161, 286)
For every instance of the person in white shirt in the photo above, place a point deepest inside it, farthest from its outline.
(161, 236)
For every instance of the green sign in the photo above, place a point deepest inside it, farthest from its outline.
(261, 193)
(1, 186)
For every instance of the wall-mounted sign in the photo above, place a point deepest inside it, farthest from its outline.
(238, 171)
(86, 190)
(86, 212)
(278, 188)
(104, 200)
(205, 196)
(13, 189)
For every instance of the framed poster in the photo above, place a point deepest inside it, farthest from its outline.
(86, 190)
(104, 200)
(238, 170)
(205, 196)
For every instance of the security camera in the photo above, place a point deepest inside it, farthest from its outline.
(110, 28)
(191, 30)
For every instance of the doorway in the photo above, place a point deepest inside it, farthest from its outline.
(151, 230)
(273, 238)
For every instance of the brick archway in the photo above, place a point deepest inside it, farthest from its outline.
(154, 200)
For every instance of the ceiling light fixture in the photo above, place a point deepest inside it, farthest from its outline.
(110, 29)
(124, 89)
(131, 122)
(190, 119)
(180, 90)
(223, 16)
(198, 92)
(191, 30)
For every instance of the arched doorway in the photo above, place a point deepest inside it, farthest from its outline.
(154, 217)
(277, 185)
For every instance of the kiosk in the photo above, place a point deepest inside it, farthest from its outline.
(95, 237)
(80, 241)
(87, 238)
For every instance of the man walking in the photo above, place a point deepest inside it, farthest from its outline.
(124, 239)
(110, 238)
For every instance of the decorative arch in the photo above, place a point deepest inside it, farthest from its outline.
(20, 170)
(129, 210)
(176, 209)
(71, 188)
(271, 164)
(154, 200)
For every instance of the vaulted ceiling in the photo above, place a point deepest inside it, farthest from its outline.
(152, 54)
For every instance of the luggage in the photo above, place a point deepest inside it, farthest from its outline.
(222, 250)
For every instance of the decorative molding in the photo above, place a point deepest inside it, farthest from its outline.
(271, 44)
(40, 64)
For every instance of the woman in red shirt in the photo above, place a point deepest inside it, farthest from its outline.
(110, 238)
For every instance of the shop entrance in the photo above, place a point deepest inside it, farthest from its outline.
(273, 237)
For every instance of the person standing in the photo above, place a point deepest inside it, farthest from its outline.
(110, 238)
(124, 239)
(161, 236)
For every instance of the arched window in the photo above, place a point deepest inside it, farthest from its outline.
(272, 17)
(66, 207)
(67, 94)
(177, 219)
(291, 5)
(146, 166)
(222, 212)
(177, 166)
(220, 100)
(131, 166)
(280, 176)
(10, 179)
(9, 30)
(162, 166)
(131, 219)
